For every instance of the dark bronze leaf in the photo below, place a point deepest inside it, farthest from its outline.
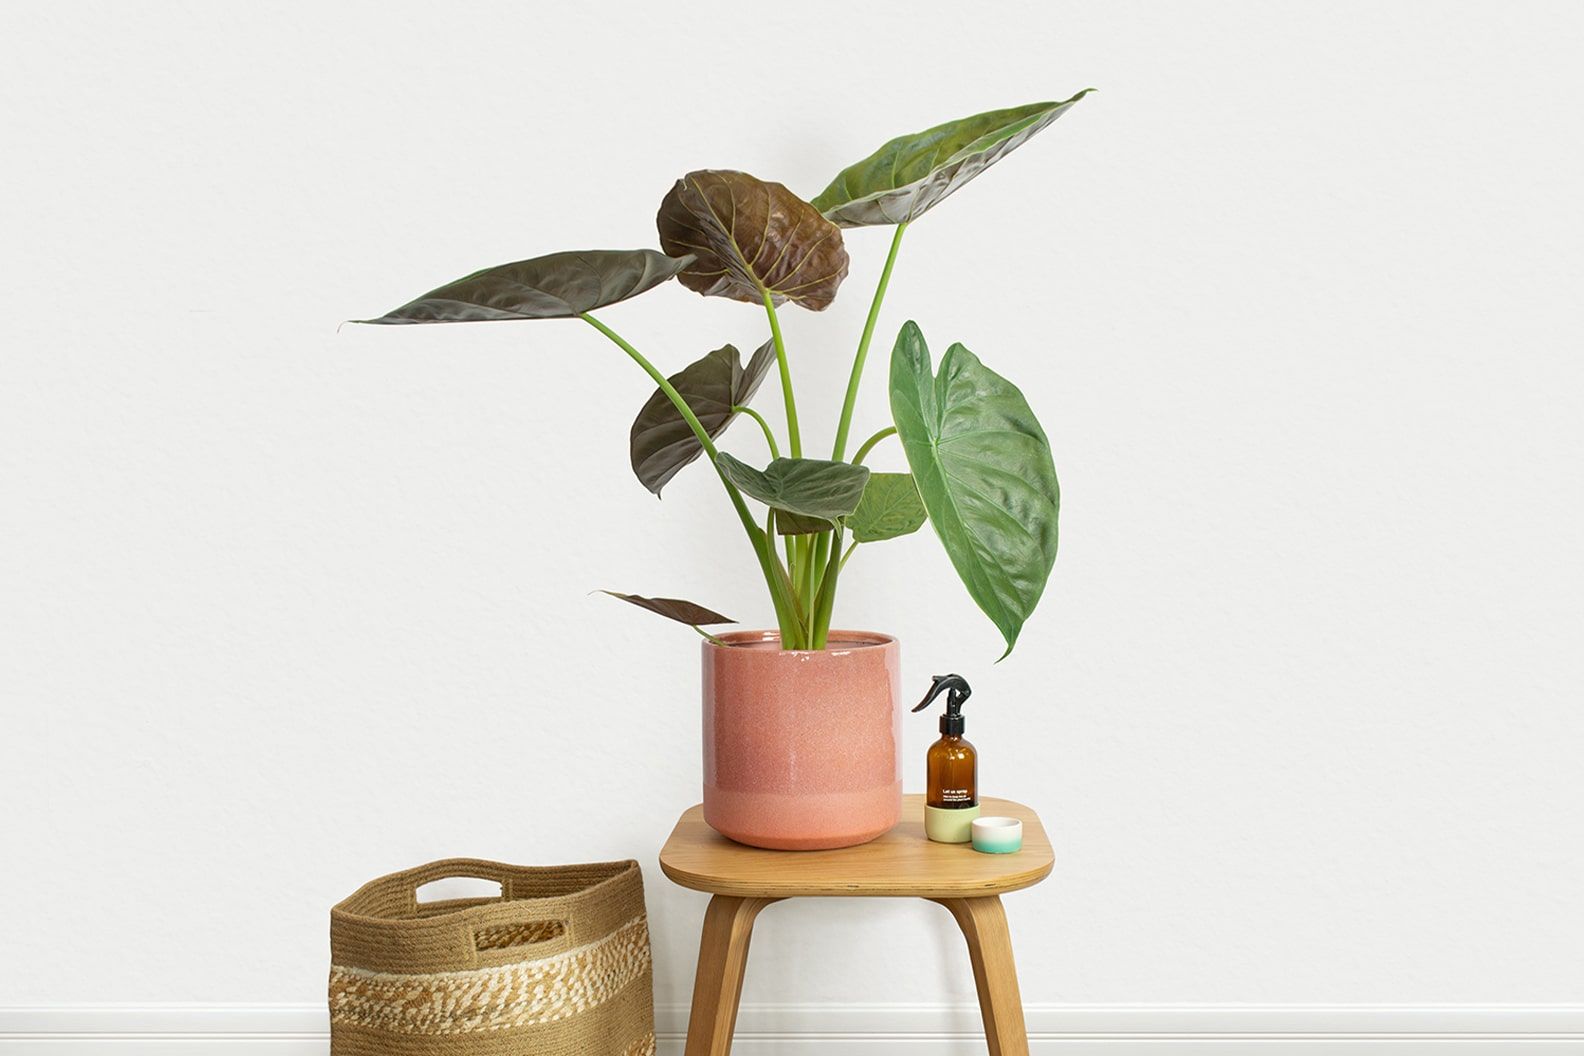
(662, 443)
(750, 236)
(789, 523)
(673, 609)
(906, 177)
(549, 287)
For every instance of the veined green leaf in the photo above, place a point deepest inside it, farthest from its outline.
(551, 287)
(984, 471)
(890, 507)
(805, 487)
(911, 174)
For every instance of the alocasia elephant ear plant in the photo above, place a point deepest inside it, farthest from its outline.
(981, 466)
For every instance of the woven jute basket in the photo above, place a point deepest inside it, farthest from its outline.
(558, 965)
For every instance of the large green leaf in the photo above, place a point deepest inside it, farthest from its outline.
(549, 287)
(751, 237)
(662, 442)
(984, 471)
(891, 507)
(909, 175)
(806, 487)
(676, 609)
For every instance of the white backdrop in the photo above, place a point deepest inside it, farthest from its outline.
(286, 606)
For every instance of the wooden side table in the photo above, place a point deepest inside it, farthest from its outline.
(900, 864)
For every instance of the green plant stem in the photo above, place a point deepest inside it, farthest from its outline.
(762, 544)
(799, 573)
(794, 438)
(770, 534)
(705, 634)
(822, 544)
(775, 452)
(798, 639)
(798, 555)
(811, 570)
(798, 611)
(821, 552)
(863, 347)
(827, 596)
(868, 445)
(794, 570)
(850, 548)
(828, 546)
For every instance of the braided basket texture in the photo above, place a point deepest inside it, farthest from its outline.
(558, 965)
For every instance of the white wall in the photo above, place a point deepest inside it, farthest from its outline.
(283, 606)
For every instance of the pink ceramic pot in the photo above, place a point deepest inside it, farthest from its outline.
(801, 745)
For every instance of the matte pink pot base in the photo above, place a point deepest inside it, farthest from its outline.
(801, 746)
(802, 823)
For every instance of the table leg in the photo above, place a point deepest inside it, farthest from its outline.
(983, 923)
(723, 953)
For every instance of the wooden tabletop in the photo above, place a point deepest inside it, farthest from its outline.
(900, 863)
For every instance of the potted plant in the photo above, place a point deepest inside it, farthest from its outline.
(802, 723)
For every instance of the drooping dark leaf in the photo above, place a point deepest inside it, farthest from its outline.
(891, 507)
(550, 287)
(673, 609)
(787, 523)
(662, 442)
(750, 236)
(805, 487)
(984, 471)
(906, 177)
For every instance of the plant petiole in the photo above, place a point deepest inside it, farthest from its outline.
(868, 445)
(794, 438)
(775, 452)
(851, 399)
(707, 636)
(762, 543)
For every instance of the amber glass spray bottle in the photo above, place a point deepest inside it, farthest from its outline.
(951, 800)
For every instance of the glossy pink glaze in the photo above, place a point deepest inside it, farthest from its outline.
(801, 746)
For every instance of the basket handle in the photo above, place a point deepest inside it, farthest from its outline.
(453, 869)
(492, 938)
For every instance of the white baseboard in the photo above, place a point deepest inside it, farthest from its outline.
(874, 1030)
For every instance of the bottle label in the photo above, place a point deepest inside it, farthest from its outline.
(956, 797)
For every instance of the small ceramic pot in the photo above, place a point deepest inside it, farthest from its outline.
(801, 746)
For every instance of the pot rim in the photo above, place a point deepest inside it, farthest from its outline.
(840, 641)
